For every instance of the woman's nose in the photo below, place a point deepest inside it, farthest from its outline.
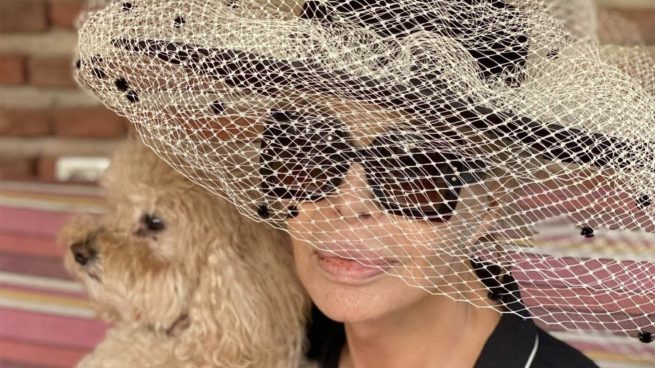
(354, 198)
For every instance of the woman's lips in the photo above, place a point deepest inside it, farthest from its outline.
(349, 270)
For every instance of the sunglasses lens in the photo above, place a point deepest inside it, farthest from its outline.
(300, 158)
(415, 182)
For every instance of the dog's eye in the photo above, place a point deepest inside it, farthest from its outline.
(153, 223)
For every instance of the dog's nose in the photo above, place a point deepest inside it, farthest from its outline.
(83, 252)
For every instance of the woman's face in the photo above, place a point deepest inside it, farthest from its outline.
(381, 253)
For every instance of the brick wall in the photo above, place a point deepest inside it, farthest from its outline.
(43, 115)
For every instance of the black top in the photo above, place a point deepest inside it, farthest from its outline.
(515, 342)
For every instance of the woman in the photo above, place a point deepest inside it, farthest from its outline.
(384, 321)
(387, 323)
(411, 149)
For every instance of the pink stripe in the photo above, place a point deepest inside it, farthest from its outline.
(548, 272)
(29, 245)
(29, 221)
(44, 356)
(49, 329)
(589, 300)
(564, 272)
(43, 267)
(593, 201)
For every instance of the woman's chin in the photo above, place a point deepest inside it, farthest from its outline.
(347, 291)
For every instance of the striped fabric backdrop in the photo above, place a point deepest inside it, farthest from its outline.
(45, 320)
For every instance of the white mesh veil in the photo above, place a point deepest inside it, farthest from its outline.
(457, 130)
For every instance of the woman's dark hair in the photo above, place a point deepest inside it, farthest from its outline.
(501, 285)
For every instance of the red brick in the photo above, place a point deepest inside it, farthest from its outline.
(23, 16)
(51, 72)
(46, 168)
(93, 122)
(63, 13)
(645, 21)
(17, 167)
(642, 18)
(25, 123)
(12, 69)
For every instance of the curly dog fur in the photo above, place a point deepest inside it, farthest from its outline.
(184, 278)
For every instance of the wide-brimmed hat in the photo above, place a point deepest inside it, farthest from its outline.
(478, 121)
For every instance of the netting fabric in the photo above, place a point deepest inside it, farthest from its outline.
(432, 139)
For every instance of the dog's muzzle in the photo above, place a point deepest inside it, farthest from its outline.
(83, 252)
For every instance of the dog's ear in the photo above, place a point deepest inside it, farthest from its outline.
(125, 153)
(249, 302)
(224, 308)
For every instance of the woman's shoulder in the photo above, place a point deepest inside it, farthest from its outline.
(556, 353)
(515, 342)
(518, 342)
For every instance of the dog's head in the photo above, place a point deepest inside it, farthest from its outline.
(169, 255)
(141, 262)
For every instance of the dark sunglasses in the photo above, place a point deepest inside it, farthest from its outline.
(305, 158)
